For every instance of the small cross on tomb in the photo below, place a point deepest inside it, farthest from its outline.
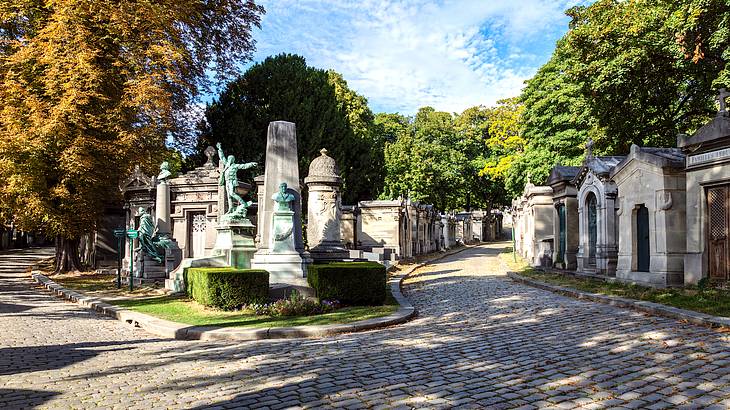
(209, 152)
(589, 148)
(722, 97)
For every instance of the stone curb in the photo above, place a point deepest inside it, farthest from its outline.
(174, 330)
(651, 308)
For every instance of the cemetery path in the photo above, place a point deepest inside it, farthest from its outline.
(480, 340)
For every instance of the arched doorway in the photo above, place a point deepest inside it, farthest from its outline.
(592, 206)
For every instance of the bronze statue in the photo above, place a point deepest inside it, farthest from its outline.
(283, 198)
(229, 179)
(150, 242)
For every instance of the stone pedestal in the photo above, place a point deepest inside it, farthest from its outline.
(235, 242)
(286, 266)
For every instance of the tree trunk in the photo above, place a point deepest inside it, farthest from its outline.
(67, 255)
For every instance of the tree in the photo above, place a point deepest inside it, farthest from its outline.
(326, 112)
(481, 190)
(645, 68)
(555, 123)
(424, 163)
(88, 89)
(627, 72)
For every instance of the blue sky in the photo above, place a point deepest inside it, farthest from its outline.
(405, 54)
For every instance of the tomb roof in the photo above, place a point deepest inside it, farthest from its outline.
(562, 173)
(659, 157)
(716, 131)
(599, 166)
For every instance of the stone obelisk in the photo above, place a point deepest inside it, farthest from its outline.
(287, 268)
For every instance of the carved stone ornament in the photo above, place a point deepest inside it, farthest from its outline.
(324, 166)
(666, 201)
(136, 180)
(619, 206)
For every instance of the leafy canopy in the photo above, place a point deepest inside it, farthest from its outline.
(327, 114)
(90, 88)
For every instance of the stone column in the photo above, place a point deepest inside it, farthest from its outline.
(324, 210)
(162, 208)
(260, 203)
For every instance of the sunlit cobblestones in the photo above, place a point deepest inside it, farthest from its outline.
(479, 341)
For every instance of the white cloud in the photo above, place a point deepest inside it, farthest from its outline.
(402, 55)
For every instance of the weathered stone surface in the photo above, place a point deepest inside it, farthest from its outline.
(652, 178)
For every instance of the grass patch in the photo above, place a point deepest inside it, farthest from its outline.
(152, 301)
(184, 310)
(713, 301)
(94, 284)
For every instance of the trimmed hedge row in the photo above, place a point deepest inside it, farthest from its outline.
(352, 283)
(227, 288)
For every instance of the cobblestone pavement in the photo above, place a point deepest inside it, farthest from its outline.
(480, 341)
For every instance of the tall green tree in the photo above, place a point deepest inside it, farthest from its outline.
(555, 123)
(327, 114)
(647, 67)
(90, 88)
(424, 162)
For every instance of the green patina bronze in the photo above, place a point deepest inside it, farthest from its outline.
(283, 198)
(237, 206)
(150, 242)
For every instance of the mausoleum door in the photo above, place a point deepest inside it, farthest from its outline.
(642, 239)
(717, 208)
(197, 235)
(592, 228)
(562, 228)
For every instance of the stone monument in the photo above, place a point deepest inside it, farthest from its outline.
(235, 239)
(324, 210)
(287, 267)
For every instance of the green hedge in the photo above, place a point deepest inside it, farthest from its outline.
(227, 288)
(352, 283)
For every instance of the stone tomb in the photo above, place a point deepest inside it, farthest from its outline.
(565, 216)
(194, 208)
(324, 210)
(538, 225)
(708, 199)
(598, 227)
(382, 224)
(651, 214)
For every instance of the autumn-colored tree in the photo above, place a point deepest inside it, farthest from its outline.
(90, 88)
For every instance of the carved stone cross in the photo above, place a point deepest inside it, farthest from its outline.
(589, 148)
(722, 97)
(209, 152)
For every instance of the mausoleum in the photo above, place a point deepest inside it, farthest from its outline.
(651, 214)
(565, 216)
(708, 199)
(597, 226)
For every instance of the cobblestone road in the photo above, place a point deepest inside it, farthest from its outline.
(480, 341)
